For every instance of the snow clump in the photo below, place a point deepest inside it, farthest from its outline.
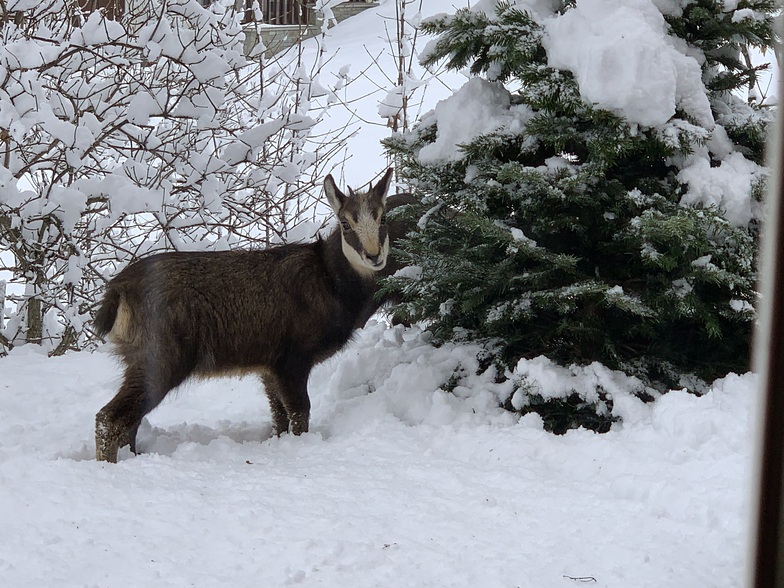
(622, 55)
(477, 108)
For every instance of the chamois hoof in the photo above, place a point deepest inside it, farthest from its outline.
(109, 437)
(299, 423)
(105, 449)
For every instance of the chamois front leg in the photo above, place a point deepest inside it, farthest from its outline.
(289, 402)
(297, 405)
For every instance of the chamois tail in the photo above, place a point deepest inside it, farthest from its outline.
(107, 313)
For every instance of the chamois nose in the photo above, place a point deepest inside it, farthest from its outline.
(374, 258)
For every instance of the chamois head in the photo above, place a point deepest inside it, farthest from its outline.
(362, 218)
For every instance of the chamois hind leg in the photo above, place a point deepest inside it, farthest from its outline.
(289, 402)
(117, 423)
(272, 387)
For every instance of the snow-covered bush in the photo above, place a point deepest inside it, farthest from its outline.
(593, 193)
(152, 132)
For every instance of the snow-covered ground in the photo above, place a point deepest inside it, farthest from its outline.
(399, 484)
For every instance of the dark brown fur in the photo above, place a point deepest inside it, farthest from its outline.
(275, 313)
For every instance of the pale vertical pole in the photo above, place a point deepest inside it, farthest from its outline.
(767, 563)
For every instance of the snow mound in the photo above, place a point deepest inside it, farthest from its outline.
(393, 373)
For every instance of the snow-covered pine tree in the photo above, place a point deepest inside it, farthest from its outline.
(592, 193)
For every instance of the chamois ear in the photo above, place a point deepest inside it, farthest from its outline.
(380, 190)
(335, 197)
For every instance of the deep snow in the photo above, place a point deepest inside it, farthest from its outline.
(399, 484)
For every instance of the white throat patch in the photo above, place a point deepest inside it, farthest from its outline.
(360, 263)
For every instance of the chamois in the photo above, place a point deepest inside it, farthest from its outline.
(273, 312)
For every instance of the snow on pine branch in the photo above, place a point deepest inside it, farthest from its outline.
(625, 59)
(621, 55)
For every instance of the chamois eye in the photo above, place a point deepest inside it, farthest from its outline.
(346, 226)
(383, 219)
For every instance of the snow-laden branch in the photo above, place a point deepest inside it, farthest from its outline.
(118, 138)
